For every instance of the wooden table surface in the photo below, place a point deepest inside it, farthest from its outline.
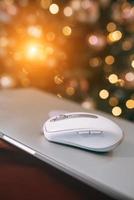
(25, 177)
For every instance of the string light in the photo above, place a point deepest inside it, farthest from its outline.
(97, 41)
(54, 9)
(67, 30)
(30, 43)
(113, 101)
(114, 36)
(93, 40)
(130, 104)
(95, 62)
(121, 82)
(109, 59)
(116, 111)
(132, 63)
(129, 76)
(111, 26)
(58, 80)
(126, 45)
(70, 91)
(104, 94)
(68, 11)
(113, 78)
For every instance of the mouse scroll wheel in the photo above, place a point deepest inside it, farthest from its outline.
(59, 117)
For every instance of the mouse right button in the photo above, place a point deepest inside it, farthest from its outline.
(95, 132)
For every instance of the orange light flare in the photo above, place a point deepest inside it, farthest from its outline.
(37, 52)
(34, 51)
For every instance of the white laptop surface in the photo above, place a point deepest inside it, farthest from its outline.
(22, 114)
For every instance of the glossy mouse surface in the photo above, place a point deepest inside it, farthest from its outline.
(84, 130)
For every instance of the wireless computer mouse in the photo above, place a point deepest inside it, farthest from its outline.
(84, 130)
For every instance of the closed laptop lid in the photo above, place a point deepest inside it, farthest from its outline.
(22, 115)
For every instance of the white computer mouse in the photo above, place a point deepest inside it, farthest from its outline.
(84, 130)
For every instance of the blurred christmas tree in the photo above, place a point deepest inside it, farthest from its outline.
(78, 49)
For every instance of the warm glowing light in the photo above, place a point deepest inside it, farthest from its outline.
(114, 36)
(54, 8)
(70, 91)
(97, 41)
(58, 80)
(130, 104)
(45, 3)
(94, 62)
(35, 51)
(76, 4)
(132, 63)
(113, 78)
(32, 51)
(67, 30)
(35, 31)
(111, 27)
(116, 111)
(121, 82)
(127, 45)
(113, 101)
(109, 60)
(7, 81)
(93, 40)
(129, 76)
(68, 11)
(104, 94)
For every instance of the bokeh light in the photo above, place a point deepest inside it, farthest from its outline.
(54, 8)
(35, 51)
(127, 45)
(95, 62)
(72, 49)
(70, 91)
(113, 101)
(68, 11)
(111, 26)
(116, 111)
(114, 36)
(104, 94)
(67, 30)
(132, 63)
(7, 81)
(113, 78)
(129, 76)
(109, 60)
(130, 104)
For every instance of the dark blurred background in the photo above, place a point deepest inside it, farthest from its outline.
(82, 50)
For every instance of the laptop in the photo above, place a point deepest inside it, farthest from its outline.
(22, 115)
